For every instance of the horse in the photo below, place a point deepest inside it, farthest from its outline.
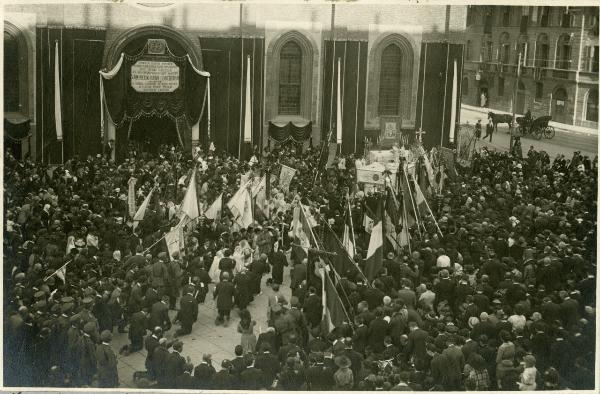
(500, 118)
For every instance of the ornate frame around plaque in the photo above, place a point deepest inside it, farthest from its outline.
(156, 46)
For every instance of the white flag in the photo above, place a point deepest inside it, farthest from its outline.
(139, 215)
(189, 205)
(214, 211)
(57, 101)
(173, 241)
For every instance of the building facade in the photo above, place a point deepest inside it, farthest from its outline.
(294, 52)
(558, 48)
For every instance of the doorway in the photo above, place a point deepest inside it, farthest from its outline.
(521, 98)
(148, 133)
(559, 104)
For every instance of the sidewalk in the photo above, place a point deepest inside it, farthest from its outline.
(562, 126)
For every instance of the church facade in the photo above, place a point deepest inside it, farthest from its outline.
(289, 56)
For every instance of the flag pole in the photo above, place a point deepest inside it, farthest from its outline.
(431, 212)
(55, 272)
(412, 203)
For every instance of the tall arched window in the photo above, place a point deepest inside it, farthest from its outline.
(290, 79)
(563, 52)
(11, 73)
(389, 81)
(504, 48)
(591, 106)
(542, 50)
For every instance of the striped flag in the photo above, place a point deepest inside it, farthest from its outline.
(375, 252)
(333, 309)
(420, 198)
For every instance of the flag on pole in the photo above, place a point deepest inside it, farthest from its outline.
(62, 273)
(139, 215)
(333, 309)
(57, 100)
(173, 239)
(240, 206)
(392, 215)
(189, 205)
(338, 124)
(248, 106)
(131, 196)
(419, 198)
(300, 231)
(348, 240)
(214, 211)
(375, 252)
(285, 177)
(259, 193)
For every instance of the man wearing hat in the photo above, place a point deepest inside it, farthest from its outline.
(107, 362)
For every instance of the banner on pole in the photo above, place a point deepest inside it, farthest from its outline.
(131, 196)
(285, 177)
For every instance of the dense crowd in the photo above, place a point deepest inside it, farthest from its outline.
(504, 299)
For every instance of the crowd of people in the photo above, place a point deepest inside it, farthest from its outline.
(500, 297)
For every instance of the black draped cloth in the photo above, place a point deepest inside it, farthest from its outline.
(283, 133)
(185, 103)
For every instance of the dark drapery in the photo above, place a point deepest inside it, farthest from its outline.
(290, 131)
(16, 129)
(186, 103)
(80, 55)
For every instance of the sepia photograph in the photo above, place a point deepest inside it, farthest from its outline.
(300, 195)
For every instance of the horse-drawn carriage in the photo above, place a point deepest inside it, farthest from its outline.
(537, 127)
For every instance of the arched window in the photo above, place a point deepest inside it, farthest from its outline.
(504, 54)
(563, 52)
(465, 86)
(11, 73)
(542, 49)
(591, 106)
(389, 81)
(290, 79)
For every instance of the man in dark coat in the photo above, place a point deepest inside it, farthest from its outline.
(278, 260)
(243, 285)
(175, 365)
(107, 362)
(185, 381)
(224, 294)
(227, 264)
(270, 337)
(417, 344)
(361, 334)
(313, 308)
(152, 342)
(188, 312)
(159, 315)
(224, 379)
(267, 362)
(204, 372)
(159, 362)
(252, 378)
(298, 274)
(138, 326)
(258, 268)
(318, 376)
(378, 329)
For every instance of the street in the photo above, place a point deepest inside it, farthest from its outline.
(564, 142)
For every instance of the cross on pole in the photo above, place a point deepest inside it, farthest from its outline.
(419, 133)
